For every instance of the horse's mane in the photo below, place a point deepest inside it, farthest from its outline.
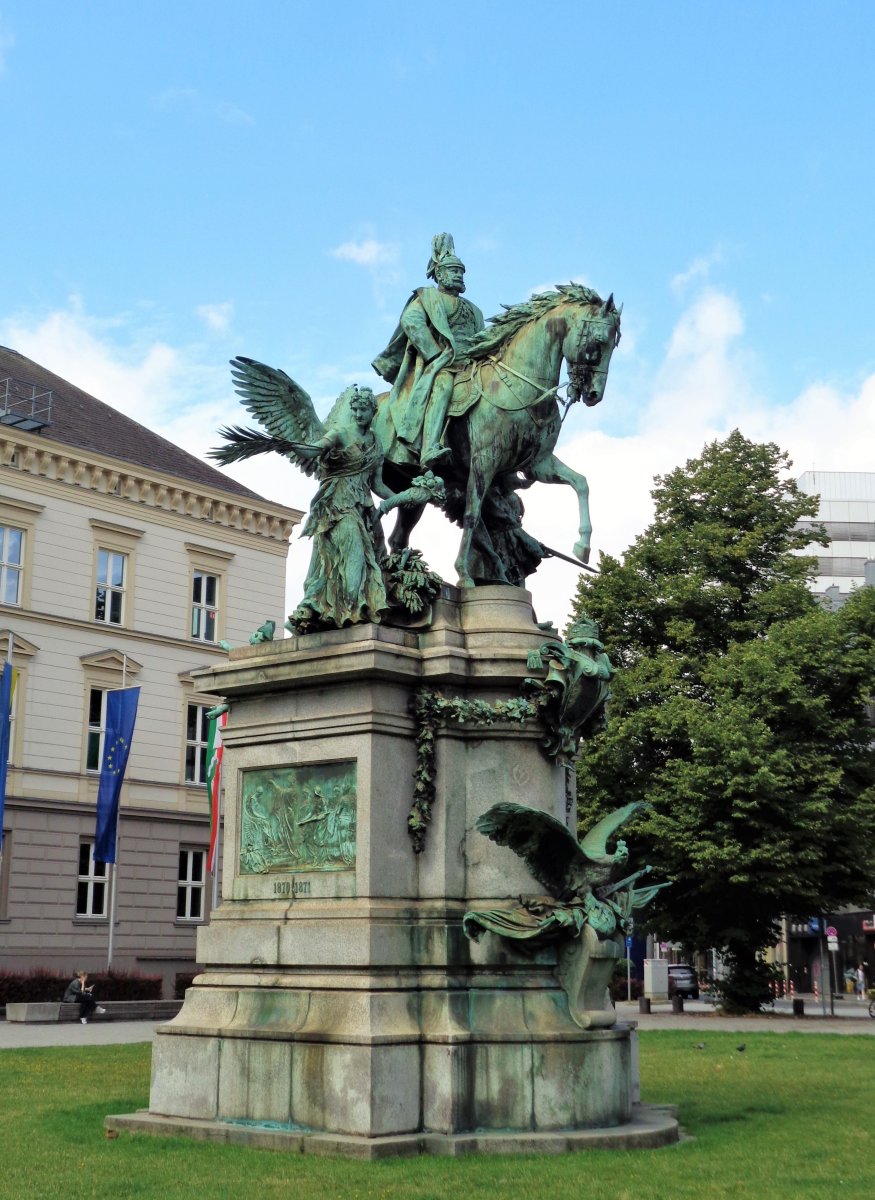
(515, 316)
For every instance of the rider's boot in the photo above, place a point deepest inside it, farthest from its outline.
(434, 455)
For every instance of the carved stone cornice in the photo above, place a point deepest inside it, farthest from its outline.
(77, 468)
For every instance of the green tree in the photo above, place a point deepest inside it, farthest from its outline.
(737, 711)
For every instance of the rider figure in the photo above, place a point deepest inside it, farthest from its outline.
(428, 347)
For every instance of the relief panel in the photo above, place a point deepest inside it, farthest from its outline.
(298, 819)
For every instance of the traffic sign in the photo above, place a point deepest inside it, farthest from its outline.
(832, 943)
(628, 940)
(831, 931)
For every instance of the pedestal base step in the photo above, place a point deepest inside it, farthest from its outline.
(651, 1126)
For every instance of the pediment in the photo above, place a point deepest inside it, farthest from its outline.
(20, 645)
(111, 660)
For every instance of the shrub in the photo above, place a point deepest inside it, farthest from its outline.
(43, 984)
(618, 986)
(183, 980)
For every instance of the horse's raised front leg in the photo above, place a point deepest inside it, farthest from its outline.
(480, 477)
(549, 469)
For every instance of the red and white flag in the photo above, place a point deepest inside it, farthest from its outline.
(215, 751)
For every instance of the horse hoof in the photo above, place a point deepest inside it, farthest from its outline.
(582, 552)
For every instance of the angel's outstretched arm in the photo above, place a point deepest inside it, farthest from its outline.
(328, 442)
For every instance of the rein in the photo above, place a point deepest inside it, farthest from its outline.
(542, 392)
(498, 366)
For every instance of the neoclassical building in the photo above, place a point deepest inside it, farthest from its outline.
(123, 559)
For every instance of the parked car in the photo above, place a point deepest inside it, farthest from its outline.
(682, 981)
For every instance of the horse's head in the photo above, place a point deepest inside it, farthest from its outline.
(589, 342)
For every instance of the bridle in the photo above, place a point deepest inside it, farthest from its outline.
(504, 370)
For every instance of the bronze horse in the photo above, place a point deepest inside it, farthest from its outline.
(504, 415)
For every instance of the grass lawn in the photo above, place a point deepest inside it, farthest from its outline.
(789, 1117)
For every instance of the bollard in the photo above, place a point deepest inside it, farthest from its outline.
(643, 1004)
(798, 1007)
(677, 1004)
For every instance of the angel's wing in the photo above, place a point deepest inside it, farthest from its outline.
(548, 849)
(281, 407)
(594, 845)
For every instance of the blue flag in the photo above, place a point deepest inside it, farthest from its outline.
(121, 712)
(5, 706)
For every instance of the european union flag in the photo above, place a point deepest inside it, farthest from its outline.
(121, 713)
(5, 706)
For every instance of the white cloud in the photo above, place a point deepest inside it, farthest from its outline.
(699, 391)
(181, 392)
(552, 287)
(176, 97)
(697, 272)
(216, 316)
(232, 114)
(367, 253)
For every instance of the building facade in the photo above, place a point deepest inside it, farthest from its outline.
(847, 511)
(123, 560)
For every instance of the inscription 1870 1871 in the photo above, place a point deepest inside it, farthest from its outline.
(298, 819)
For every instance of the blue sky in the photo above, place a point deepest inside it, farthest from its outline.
(185, 182)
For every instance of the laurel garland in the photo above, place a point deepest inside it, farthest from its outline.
(431, 711)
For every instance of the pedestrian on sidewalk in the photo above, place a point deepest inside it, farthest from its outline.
(78, 992)
(861, 982)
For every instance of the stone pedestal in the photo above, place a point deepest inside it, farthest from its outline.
(341, 1007)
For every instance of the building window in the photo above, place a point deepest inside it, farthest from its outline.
(96, 728)
(109, 601)
(204, 606)
(11, 564)
(190, 891)
(197, 728)
(91, 888)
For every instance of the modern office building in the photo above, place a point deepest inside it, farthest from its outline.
(847, 510)
(123, 560)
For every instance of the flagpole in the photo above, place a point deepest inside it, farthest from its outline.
(113, 867)
(9, 645)
(215, 903)
(215, 716)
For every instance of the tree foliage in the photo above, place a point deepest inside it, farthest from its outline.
(738, 710)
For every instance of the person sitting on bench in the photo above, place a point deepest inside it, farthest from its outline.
(78, 993)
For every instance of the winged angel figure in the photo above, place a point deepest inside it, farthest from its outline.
(587, 903)
(345, 583)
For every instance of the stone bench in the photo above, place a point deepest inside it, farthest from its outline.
(48, 1012)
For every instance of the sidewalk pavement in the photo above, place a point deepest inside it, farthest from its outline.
(14, 1034)
(851, 1016)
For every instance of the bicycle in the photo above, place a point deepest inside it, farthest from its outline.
(872, 1008)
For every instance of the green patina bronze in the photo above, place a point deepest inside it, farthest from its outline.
(426, 352)
(264, 633)
(346, 582)
(298, 819)
(478, 405)
(433, 710)
(481, 406)
(589, 906)
(571, 700)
